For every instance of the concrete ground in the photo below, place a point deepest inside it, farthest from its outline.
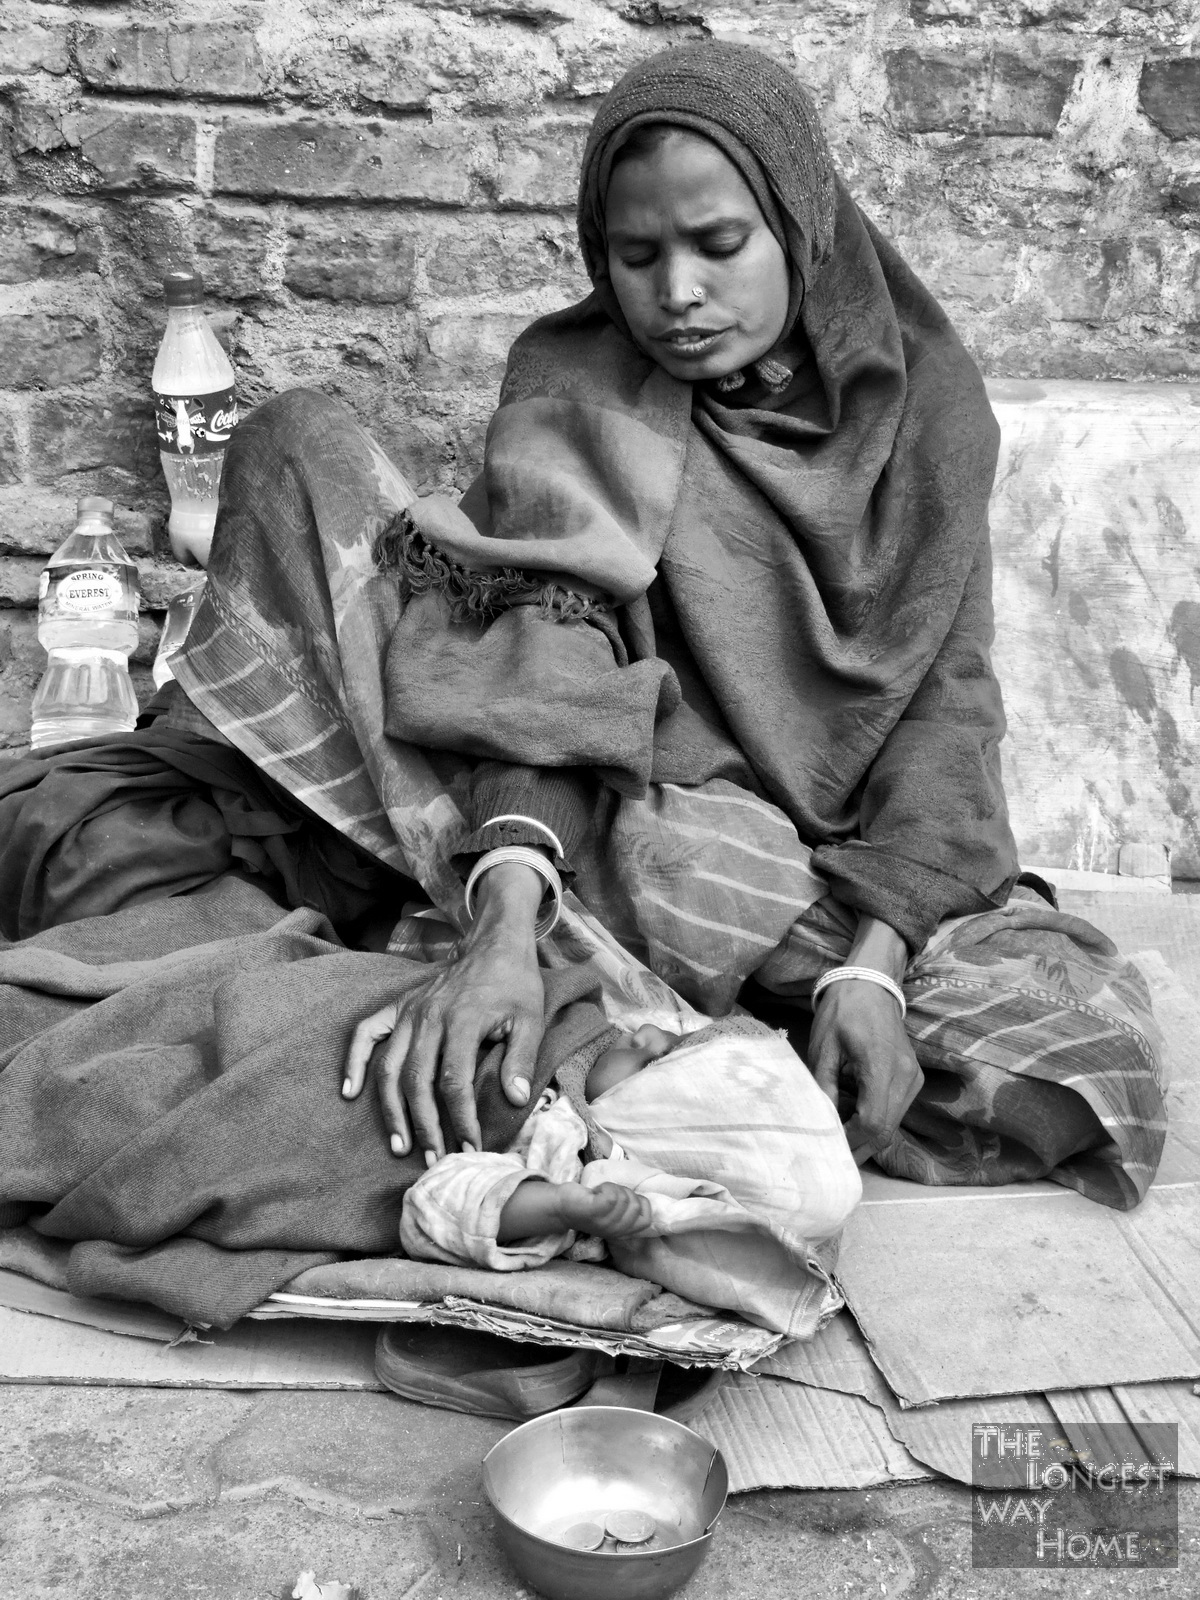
(145, 1494)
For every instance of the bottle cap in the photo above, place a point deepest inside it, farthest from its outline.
(94, 505)
(183, 288)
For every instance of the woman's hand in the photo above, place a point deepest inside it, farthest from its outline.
(858, 1034)
(492, 992)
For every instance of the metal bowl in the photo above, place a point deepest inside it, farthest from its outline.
(580, 1465)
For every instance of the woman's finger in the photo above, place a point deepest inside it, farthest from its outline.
(366, 1036)
(456, 1080)
(520, 1058)
(388, 1065)
(888, 1085)
(417, 1079)
(825, 1061)
(872, 1122)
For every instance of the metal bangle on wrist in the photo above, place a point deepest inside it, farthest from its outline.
(525, 856)
(869, 975)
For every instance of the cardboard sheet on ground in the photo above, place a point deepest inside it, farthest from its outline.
(775, 1434)
(1031, 1288)
(837, 1358)
(252, 1355)
(939, 1436)
(132, 1317)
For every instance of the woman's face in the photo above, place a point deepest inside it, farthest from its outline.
(683, 218)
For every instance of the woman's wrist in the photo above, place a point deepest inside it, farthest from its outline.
(508, 898)
(877, 945)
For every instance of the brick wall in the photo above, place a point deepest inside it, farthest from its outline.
(379, 197)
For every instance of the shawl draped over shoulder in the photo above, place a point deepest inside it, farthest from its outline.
(787, 586)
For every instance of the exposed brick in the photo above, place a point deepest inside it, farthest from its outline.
(22, 661)
(10, 470)
(503, 254)
(470, 351)
(35, 521)
(230, 245)
(540, 168)
(1169, 92)
(371, 61)
(146, 237)
(8, 161)
(934, 92)
(1008, 13)
(1183, 199)
(36, 242)
(219, 60)
(128, 149)
(312, 159)
(31, 47)
(1163, 21)
(342, 255)
(73, 435)
(19, 580)
(543, 12)
(409, 59)
(44, 351)
(592, 64)
(37, 126)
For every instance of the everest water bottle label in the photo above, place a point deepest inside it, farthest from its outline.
(89, 592)
(195, 424)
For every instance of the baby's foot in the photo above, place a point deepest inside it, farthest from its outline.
(610, 1210)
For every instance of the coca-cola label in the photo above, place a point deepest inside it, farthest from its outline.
(88, 592)
(195, 424)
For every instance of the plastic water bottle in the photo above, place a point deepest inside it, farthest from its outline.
(88, 622)
(195, 412)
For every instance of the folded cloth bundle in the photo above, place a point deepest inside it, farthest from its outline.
(563, 1291)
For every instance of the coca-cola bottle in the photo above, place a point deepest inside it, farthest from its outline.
(195, 411)
(88, 622)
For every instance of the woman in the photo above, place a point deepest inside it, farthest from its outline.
(709, 639)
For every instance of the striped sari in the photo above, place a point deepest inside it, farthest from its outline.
(1040, 1053)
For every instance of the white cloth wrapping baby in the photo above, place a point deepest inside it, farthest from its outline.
(741, 1157)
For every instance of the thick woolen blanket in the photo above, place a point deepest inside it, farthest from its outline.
(824, 552)
(102, 824)
(169, 1097)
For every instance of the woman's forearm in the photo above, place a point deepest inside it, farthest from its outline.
(877, 945)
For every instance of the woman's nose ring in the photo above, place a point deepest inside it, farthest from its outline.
(698, 294)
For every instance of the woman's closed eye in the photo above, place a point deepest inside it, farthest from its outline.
(719, 246)
(722, 244)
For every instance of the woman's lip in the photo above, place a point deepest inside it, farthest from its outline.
(691, 341)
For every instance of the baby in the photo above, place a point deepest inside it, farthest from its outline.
(719, 1170)
(610, 1210)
